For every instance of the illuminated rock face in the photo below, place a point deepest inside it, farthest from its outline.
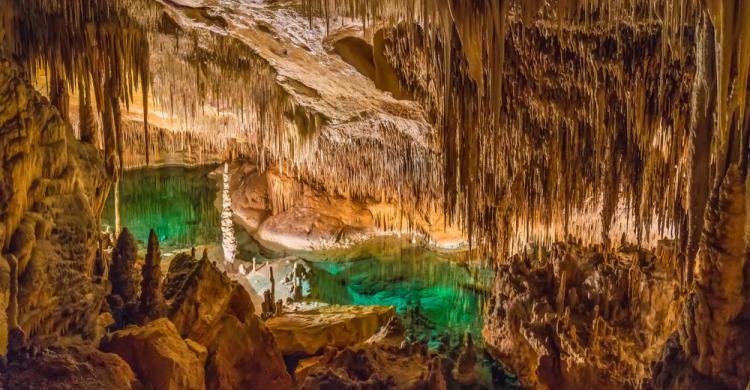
(309, 332)
(530, 121)
(159, 356)
(284, 211)
(580, 316)
(207, 307)
(46, 175)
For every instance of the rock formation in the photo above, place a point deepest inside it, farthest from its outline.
(160, 358)
(123, 300)
(51, 189)
(152, 304)
(283, 211)
(308, 332)
(566, 319)
(384, 361)
(217, 313)
(77, 366)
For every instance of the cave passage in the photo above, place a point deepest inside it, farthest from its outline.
(438, 294)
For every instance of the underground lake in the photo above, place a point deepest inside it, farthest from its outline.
(439, 295)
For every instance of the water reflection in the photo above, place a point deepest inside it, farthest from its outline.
(177, 202)
(433, 293)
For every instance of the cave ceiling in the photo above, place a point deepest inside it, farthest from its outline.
(519, 119)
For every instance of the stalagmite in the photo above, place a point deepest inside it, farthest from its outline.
(87, 123)
(16, 335)
(124, 297)
(152, 304)
(273, 284)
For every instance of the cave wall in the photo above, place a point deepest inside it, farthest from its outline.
(53, 189)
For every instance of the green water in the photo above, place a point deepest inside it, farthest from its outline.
(434, 294)
(177, 202)
(439, 296)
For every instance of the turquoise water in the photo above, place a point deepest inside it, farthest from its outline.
(439, 296)
(177, 202)
(434, 293)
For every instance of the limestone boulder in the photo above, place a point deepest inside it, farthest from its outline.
(307, 332)
(384, 361)
(218, 314)
(159, 356)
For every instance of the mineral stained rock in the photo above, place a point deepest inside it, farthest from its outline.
(73, 367)
(206, 306)
(160, 358)
(308, 332)
(582, 316)
(152, 304)
(51, 189)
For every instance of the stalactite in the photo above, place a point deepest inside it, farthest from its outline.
(74, 42)
(109, 132)
(702, 103)
(87, 122)
(145, 80)
(510, 130)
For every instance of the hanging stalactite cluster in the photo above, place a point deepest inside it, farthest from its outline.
(280, 122)
(95, 47)
(552, 112)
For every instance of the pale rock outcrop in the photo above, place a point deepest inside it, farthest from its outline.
(283, 211)
(159, 356)
(383, 362)
(307, 332)
(206, 306)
